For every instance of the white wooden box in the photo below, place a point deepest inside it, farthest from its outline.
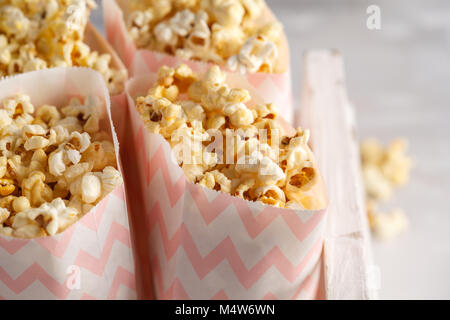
(349, 272)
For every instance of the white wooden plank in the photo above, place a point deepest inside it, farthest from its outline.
(325, 109)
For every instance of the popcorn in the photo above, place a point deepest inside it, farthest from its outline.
(38, 161)
(56, 163)
(6, 145)
(61, 189)
(73, 155)
(224, 144)
(139, 26)
(71, 124)
(96, 155)
(79, 141)
(52, 170)
(396, 164)
(252, 7)
(298, 153)
(271, 195)
(34, 64)
(47, 34)
(217, 181)
(110, 179)
(245, 190)
(55, 215)
(5, 119)
(3, 162)
(89, 187)
(6, 202)
(35, 189)
(48, 115)
(226, 12)
(298, 181)
(21, 204)
(13, 22)
(165, 34)
(36, 142)
(4, 215)
(23, 227)
(6, 187)
(16, 169)
(227, 40)
(384, 169)
(199, 39)
(239, 115)
(256, 55)
(181, 23)
(18, 106)
(77, 170)
(225, 32)
(388, 225)
(377, 186)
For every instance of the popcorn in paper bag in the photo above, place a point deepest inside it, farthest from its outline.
(236, 221)
(64, 231)
(40, 34)
(240, 36)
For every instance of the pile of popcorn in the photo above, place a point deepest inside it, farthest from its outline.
(384, 170)
(55, 165)
(225, 32)
(223, 143)
(39, 34)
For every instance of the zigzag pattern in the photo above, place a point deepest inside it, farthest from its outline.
(57, 247)
(226, 251)
(12, 246)
(220, 295)
(174, 291)
(307, 289)
(85, 260)
(60, 291)
(59, 252)
(122, 277)
(93, 221)
(34, 273)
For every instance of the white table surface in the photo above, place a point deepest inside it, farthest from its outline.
(399, 81)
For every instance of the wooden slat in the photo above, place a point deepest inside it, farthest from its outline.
(325, 109)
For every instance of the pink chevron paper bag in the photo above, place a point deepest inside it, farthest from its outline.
(93, 258)
(271, 87)
(205, 244)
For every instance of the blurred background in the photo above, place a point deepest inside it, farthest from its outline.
(398, 79)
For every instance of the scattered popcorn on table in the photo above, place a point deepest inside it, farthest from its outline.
(35, 35)
(55, 165)
(387, 226)
(225, 32)
(223, 143)
(384, 169)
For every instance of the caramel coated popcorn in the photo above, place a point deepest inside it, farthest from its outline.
(384, 170)
(225, 32)
(224, 143)
(55, 165)
(41, 34)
